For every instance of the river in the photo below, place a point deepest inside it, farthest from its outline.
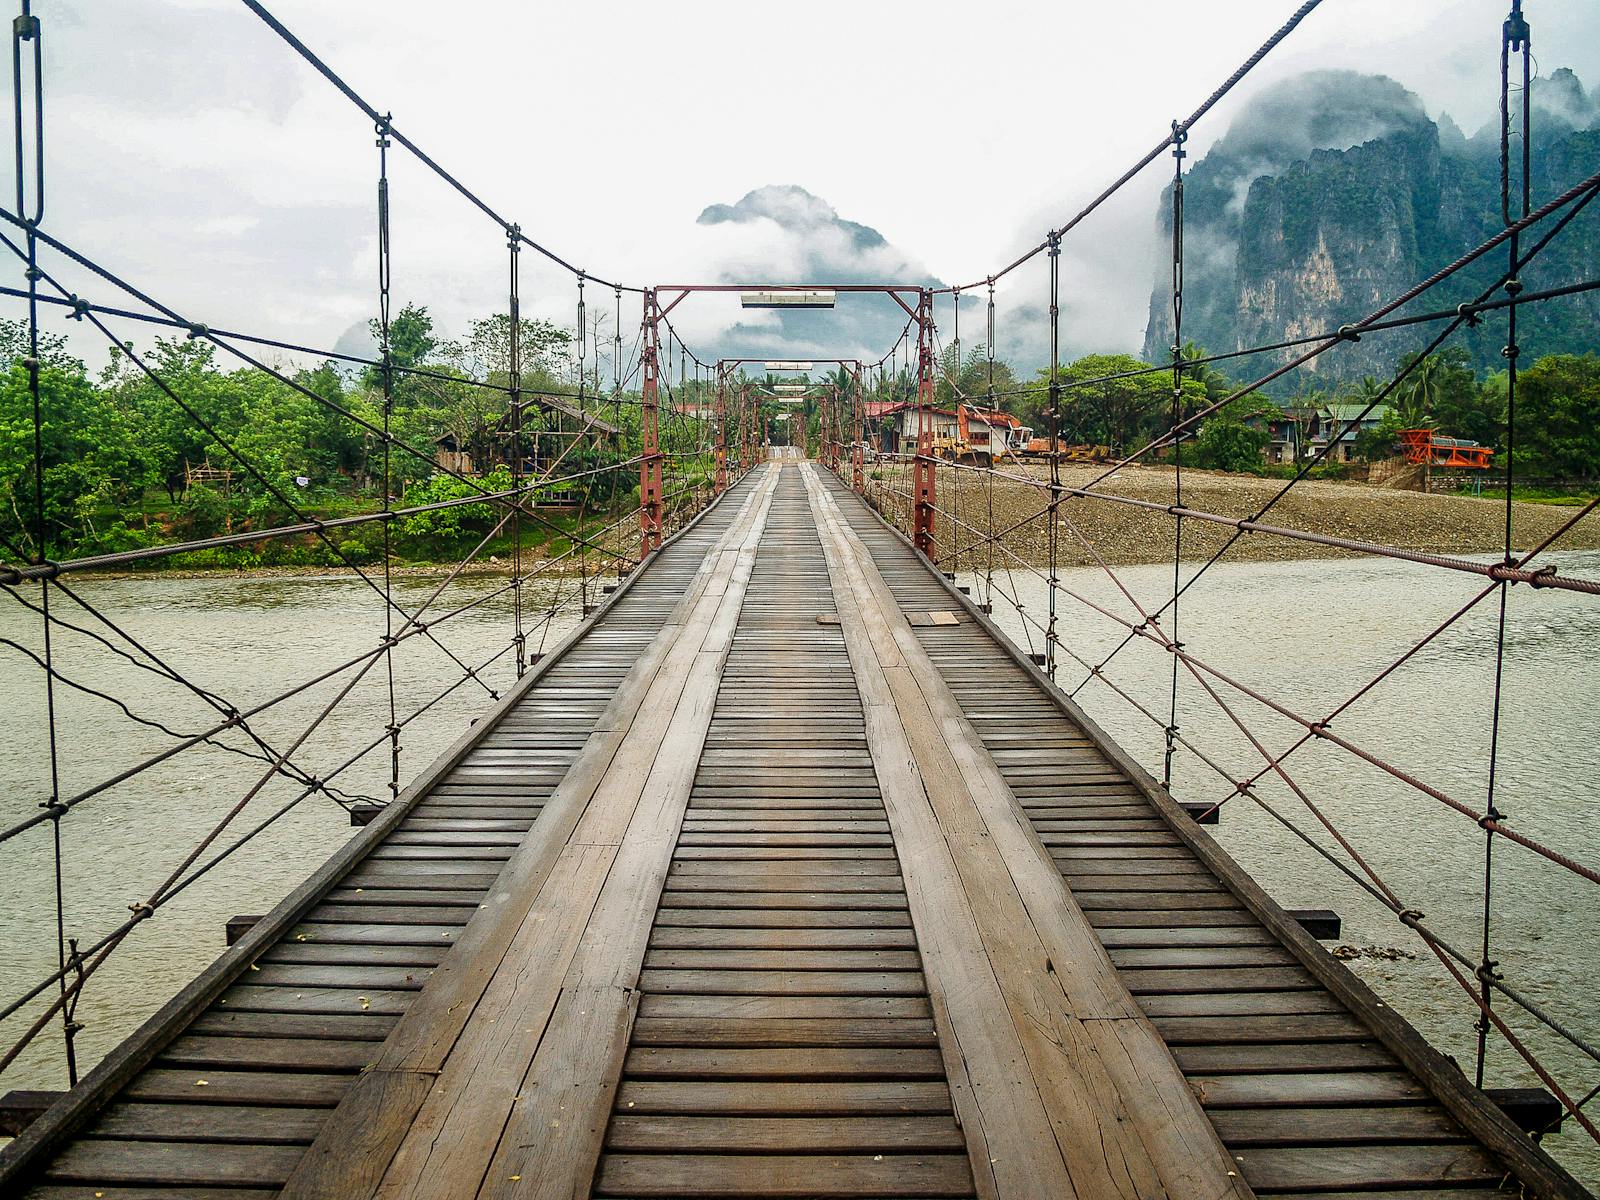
(1305, 632)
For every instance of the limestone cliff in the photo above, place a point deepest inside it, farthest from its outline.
(1334, 192)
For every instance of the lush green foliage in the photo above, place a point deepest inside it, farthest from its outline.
(169, 445)
(1228, 444)
(1558, 418)
(1123, 413)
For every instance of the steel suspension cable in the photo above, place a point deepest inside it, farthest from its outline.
(327, 72)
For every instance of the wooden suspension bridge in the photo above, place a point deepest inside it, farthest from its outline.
(786, 874)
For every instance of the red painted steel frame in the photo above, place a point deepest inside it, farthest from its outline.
(650, 490)
(858, 442)
(722, 430)
(923, 486)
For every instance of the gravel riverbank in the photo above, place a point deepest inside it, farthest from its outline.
(1123, 534)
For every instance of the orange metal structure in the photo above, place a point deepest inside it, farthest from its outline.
(1434, 449)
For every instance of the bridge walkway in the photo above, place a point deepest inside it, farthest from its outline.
(785, 877)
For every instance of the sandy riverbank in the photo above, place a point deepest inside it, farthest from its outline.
(549, 569)
(1124, 534)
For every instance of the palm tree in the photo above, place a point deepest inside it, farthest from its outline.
(1419, 394)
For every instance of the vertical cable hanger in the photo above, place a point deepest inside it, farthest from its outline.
(1516, 38)
(1053, 534)
(988, 574)
(616, 346)
(1179, 136)
(26, 29)
(583, 339)
(957, 402)
(386, 376)
(514, 382)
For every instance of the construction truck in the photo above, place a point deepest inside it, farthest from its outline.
(1037, 449)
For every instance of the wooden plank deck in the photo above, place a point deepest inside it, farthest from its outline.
(766, 884)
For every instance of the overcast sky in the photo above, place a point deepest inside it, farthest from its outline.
(191, 151)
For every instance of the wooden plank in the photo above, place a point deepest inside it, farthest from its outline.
(108, 1161)
(1374, 1166)
(784, 938)
(277, 1053)
(784, 983)
(1246, 1127)
(251, 1125)
(767, 1135)
(796, 1032)
(742, 959)
(707, 1175)
(1253, 1091)
(206, 1086)
(808, 1062)
(784, 1008)
(1178, 1031)
(758, 1099)
(729, 919)
(1294, 1056)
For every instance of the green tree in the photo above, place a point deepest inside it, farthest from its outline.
(1126, 406)
(544, 360)
(970, 377)
(1558, 418)
(411, 341)
(91, 469)
(1228, 444)
(1463, 406)
(1216, 383)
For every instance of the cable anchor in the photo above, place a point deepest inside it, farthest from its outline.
(1516, 31)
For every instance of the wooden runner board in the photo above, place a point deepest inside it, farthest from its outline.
(1069, 1089)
